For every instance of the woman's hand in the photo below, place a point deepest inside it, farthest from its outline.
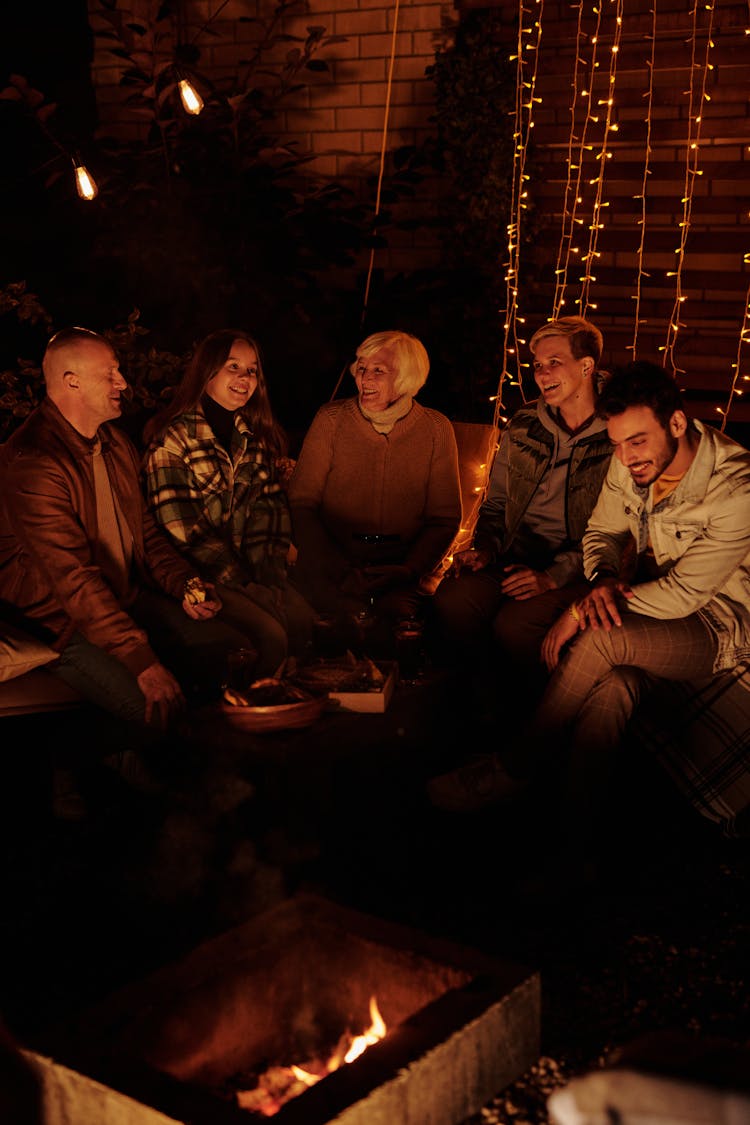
(471, 559)
(557, 636)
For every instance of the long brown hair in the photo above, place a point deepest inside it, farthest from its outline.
(209, 357)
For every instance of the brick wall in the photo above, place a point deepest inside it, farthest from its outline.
(340, 118)
(340, 114)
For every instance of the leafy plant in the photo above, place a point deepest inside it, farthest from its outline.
(199, 221)
(26, 325)
(225, 219)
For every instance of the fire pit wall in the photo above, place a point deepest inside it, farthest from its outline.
(283, 988)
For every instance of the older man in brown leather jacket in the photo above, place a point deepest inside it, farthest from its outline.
(83, 563)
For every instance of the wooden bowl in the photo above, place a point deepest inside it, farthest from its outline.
(279, 716)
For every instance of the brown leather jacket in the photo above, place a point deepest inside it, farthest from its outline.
(48, 563)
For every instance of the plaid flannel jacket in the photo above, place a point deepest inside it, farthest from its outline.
(229, 515)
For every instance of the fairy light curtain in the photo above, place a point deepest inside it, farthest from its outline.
(584, 204)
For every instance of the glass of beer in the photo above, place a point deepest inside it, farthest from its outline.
(410, 651)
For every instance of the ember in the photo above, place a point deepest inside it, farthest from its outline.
(278, 1084)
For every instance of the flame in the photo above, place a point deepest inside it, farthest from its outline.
(279, 1084)
(375, 1031)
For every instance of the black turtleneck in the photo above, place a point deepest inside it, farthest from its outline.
(220, 420)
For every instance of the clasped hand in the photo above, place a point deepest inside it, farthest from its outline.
(205, 609)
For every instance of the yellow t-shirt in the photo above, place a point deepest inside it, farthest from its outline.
(661, 487)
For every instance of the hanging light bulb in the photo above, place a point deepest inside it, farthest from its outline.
(191, 100)
(85, 183)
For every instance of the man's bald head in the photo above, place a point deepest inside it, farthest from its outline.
(65, 350)
(83, 378)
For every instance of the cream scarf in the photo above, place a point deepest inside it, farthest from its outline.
(384, 420)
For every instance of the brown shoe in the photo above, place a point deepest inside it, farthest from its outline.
(482, 782)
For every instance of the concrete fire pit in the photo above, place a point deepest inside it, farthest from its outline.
(282, 988)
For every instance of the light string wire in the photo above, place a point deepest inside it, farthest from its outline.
(603, 156)
(526, 76)
(651, 63)
(381, 173)
(692, 171)
(570, 212)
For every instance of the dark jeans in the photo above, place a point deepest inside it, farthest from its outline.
(494, 642)
(194, 651)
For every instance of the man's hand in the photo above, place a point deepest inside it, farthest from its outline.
(521, 582)
(556, 637)
(164, 698)
(599, 609)
(471, 559)
(205, 609)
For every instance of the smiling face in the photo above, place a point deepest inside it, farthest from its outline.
(563, 380)
(645, 447)
(234, 383)
(375, 376)
(84, 379)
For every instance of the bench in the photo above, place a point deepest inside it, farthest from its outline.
(704, 746)
(26, 684)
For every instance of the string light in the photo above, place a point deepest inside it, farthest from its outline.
(602, 157)
(644, 184)
(744, 339)
(85, 182)
(695, 100)
(575, 160)
(191, 100)
(526, 76)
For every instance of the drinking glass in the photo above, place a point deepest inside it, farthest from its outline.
(410, 651)
(241, 666)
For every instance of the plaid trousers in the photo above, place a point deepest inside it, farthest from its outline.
(591, 696)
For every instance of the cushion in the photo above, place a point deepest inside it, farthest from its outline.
(20, 652)
(700, 733)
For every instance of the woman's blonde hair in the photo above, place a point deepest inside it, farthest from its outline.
(409, 356)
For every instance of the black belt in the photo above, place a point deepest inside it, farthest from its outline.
(365, 537)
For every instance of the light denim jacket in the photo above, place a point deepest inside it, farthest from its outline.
(700, 536)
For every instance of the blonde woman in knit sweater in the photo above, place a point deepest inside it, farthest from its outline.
(375, 494)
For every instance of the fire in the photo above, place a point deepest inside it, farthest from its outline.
(279, 1084)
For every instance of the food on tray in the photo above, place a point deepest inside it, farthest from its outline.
(268, 692)
(347, 674)
(195, 591)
